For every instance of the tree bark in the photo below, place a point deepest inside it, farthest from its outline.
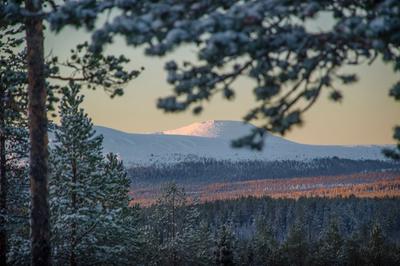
(40, 227)
(3, 184)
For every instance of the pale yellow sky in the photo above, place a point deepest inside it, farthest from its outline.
(366, 115)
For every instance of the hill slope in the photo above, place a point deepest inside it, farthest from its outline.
(211, 139)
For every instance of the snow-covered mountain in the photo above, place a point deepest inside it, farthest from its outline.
(212, 129)
(211, 139)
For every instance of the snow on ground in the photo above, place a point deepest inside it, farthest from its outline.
(211, 139)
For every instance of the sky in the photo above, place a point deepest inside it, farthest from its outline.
(365, 116)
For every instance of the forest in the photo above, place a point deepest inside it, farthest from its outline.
(212, 171)
(65, 202)
(178, 230)
(363, 185)
(265, 231)
(94, 224)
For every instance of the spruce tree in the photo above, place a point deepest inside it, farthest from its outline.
(106, 72)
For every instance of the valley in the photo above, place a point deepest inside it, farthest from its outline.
(364, 185)
(199, 158)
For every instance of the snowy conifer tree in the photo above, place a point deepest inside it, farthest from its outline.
(87, 192)
(14, 199)
(168, 223)
(266, 246)
(196, 238)
(104, 71)
(296, 245)
(330, 247)
(120, 235)
(224, 253)
(177, 235)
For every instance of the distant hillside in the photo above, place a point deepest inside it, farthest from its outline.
(212, 139)
(207, 171)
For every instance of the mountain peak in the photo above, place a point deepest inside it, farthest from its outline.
(213, 129)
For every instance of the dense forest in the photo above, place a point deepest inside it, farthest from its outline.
(211, 171)
(363, 185)
(265, 231)
(177, 230)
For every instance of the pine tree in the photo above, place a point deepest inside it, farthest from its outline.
(102, 71)
(353, 253)
(296, 245)
(168, 222)
(224, 253)
(196, 238)
(330, 247)
(266, 246)
(378, 252)
(87, 193)
(38, 165)
(14, 192)
(120, 236)
(176, 234)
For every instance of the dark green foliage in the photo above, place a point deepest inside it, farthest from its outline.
(266, 248)
(378, 251)
(14, 147)
(264, 231)
(296, 246)
(209, 171)
(353, 254)
(329, 249)
(91, 220)
(175, 233)
(394, 153)
(224, 250)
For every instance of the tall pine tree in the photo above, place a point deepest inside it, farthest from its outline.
(14, 183)
(88, 193)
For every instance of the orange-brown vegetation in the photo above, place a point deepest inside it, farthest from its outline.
(376, 184)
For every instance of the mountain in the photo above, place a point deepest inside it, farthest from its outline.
(212, 129)
(211, 139)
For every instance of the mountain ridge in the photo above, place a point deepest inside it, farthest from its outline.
(212, 139)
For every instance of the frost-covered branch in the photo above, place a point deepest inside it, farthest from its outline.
(271, 37)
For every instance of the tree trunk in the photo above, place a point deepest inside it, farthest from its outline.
(40, 228)
(3, 184)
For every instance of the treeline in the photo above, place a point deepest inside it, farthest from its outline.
(352, 215)
(210, 170)
(250, 231)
